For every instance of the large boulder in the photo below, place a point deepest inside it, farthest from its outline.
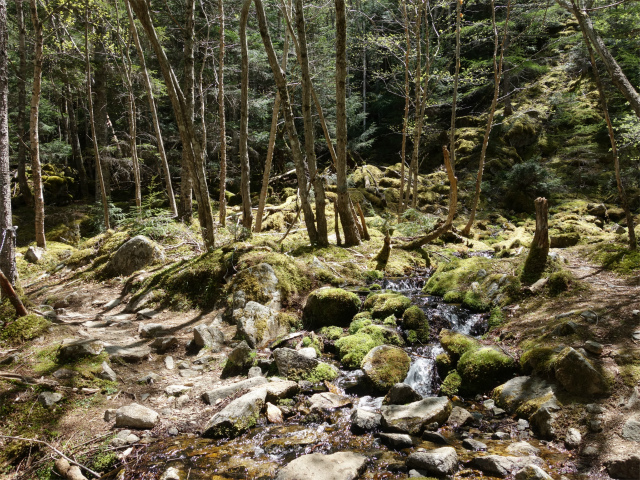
(237, 417)
(295, 366)
(439, 462)
(257, 284)
(382, 305)
(413, 417)
(483, 369)
(133, 255)
(520, 390)
(384, 366)
(260, 325)
(338, 466)
(624, 465)
(136, 416)
(240, 360)
(416, 324)
(499, 466)
(208, 336)
(330, 306)
(578, 375)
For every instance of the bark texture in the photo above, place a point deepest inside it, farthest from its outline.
(536, 260)
(247, 218)
(25, 190)
(223, 126)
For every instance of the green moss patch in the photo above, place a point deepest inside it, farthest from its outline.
(353, 348)
(24, 328)
(457, 344)
(483, 369)
(451, 384)
(415, 320)
(381, 305)
(330, 306)
(331, 333)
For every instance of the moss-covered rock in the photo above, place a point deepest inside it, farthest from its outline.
(560, 281)
(457, 344)
(362, 319)
(384, 366)
(443, 364)
(24, 328)
(330, 306)
(381, 305)
(415, 320)
(353, 348)
(483, 369)
(564, 240)
(578, 375)
(451, 384)
(539, 360)
(331, 333)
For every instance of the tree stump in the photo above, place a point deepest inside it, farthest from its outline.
(536, 261)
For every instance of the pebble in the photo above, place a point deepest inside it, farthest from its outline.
(49, 399)
(173, 431)
(593, 347)
(500, 436)
(522, 424)
(475, 445)
(169, 363)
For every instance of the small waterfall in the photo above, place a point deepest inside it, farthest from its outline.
(422, 373)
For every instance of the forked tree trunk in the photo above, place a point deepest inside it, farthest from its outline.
(154, 112)
(94, 138)
(497, 73)
(25, 190)
(34, 136)
(298, 160)
(223, 126)
(351, 235)
(536, 260)
(244, 118)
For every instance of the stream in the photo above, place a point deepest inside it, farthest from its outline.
(264, 449)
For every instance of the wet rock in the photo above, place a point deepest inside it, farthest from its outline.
(308, 352)
(338, 466)
(237, 417)
(572, 439)
(382, 305)
(260, 325)
(274, 414)
(107, 373)
(475, 445)
(212, 396)
(254, 372)
(434, 437)
(133, 255)
(49, 399)
(328, 401)
(396, 440)
(459, 417)
(631, 430)
(385, 366)
(330, 306)
(413, 417)
(532, 472)
(163, 344)
(176, 390)
(522, 449)
(624, 465)
(136, 416)
(364, 420)
(150, 330)
(257, 284)
(439, 462)
(240, 360)
(577, 375)
(208, 336)
(73, 349)
(294, 366)
(171, 473)
(34, 254)
(500, 466)
(401, 394)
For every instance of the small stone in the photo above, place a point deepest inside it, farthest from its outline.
(497, 411)
(573, 438)
(254, 372)
(631, 430)
(475, 445)
(110, 415)
(136, 416)
(64, 374)
(636, 335)
(328, 401)
(595, 409)
(189, 373)
(308, 352)
(434, 437)
(589, 316)
(590, 450)
(146, 313)
(459, 417)
(176, 390)
(364, 420)
(401, 394)
(34, 254)
(169, 363)
(171, 473)
(522, 449)
(112, 303)
(595, 425)
(150, 330)
(635, 313)
(488, 404)
(396, 440)
(173, 431)
(49, 399)
(274, 414)
(522, 425)
(9, 359)
(440, 461)
(107, 373)
(532, 472)
(149, 378)
(500, 436)
(162, 344)
(182, 401)
(144, 396)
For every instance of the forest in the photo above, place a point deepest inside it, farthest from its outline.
(377, 239)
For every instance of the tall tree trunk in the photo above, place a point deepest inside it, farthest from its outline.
(100, 110)
(133, 145)
(223, 125)
(405, 118)
(154, 112)
(7, 231)
(298, 160)
(633, 244)
(76, 151)
(185, 125)
(351, 235)
(536, 260)
(309, 137)
(186, 184)
(247, 218)
(456, 78)
(506, 84)
(34, 136)
(497, 74)
(94, 137)
(25, 190)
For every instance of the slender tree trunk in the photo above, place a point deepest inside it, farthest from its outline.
(309, 137)
(94, 137)
(100, 112)
(506, 83)
(7, 231)
(185, 125)
(298, 160)
(456, 78)
(405, 119)
(247, 218)
(154, 112)
(223, 127)
(133, 146)
(536, 260)
(351, 235)
(25, 190)
(186, 184)
(497, 74)
(34, 136)
(272, 139)
(76, 151)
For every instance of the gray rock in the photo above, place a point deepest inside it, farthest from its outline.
(212, 396)
(593, 347)
(34, 254)
(338, 466)
(532, 472)
(396, 440)
(522, 425)
(149, 378)
(147, 313)
(500, 436)
(208, 336)
(439, 462)
(107, 373)
(597, 209)
(171, 473)
(543, 421)
(294, 366)
(519, 390)
(279, 389)
(434, 437)
(190, 373)
(264, 287)
(475, 445)
(595, 425)
(376, 368)
(459, 417)
(572, 439)
(133, 255)
(72, 349)
(591, 450)
(577, 375)
(308, 352)
(254, 372)
(64, 374)
(137, 303)
(176, 390)
(239, 361)
(631, 430)
(634, 400)
(260, 325)
(237, 417)
(162, 344)
(150, 330)
(136, 416)
(112, 303)
(49, 399)
(401, 394)
(128, 354)
(500, 466)
(109, 415)
(328, 401)
(521, 449)
(364, 420)
(567, 328)
(624, 465)
(169, 364)
(413, 417)
(173, 431)
(595, 409)
(8, 360)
